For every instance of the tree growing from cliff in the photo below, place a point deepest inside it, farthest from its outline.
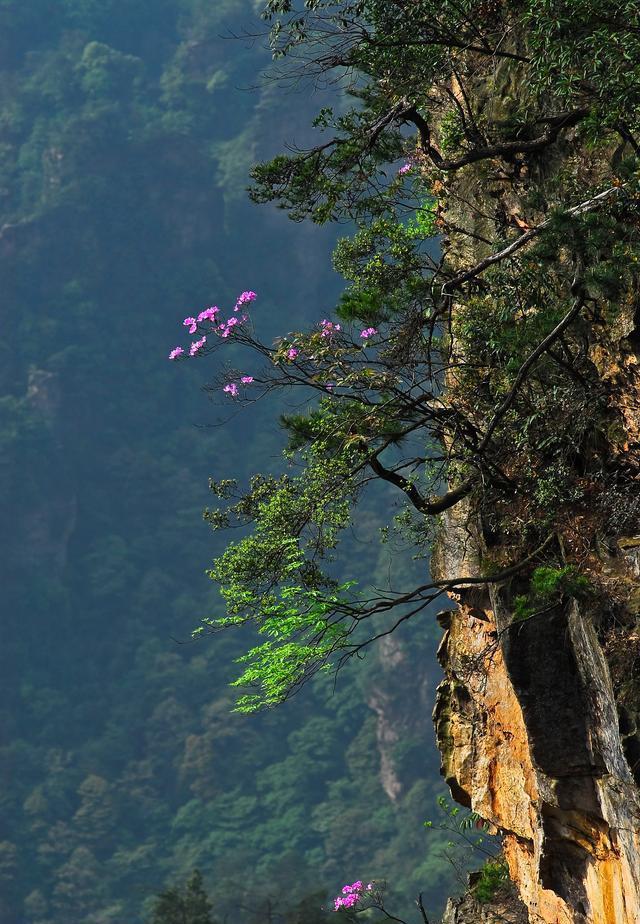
(463, 378)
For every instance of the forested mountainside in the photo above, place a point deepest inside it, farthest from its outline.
(126, 134)
(496, 388)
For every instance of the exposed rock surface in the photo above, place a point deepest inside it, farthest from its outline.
(504, 909)
(530, 740)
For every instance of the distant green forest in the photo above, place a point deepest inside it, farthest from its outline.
(127, 129)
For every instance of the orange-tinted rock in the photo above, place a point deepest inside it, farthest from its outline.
(531, 742)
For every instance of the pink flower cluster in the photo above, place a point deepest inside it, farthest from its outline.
(244, 299)
(328, 328)
(351, 895)
(406, 168)
(223, 329)
(226, 327)
(368, 332)
(197, 345)
(207, 315)
(232, 388)
(292, 352)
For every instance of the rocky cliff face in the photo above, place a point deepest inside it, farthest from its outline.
(529, 732)
(537, 718)
(505, 909)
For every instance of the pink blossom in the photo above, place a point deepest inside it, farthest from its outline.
(177, 351)
(197, 345)
(350, 896)
(328, 327)
(330, 386)
(246, 379)
(191, 323)
(292, 353)
(369, 886)
(368, 332)
(406, 168)
(227, 326)
(231, 389)
(208, 314)
(244, 299)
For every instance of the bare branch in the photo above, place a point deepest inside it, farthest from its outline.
(423, 913)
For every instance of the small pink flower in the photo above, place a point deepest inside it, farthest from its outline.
(231, 389)
(368, 332)
(406, 168)
(351, 895)
(292, 353)
(196, 346)
(208, 314)
(369, 886)
(226, 327)
(328, 327)
(191, 323)
(330, 386)
(244, 299)
(246, 379)
(178, 351)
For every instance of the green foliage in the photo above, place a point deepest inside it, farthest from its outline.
(451, 132)
(189, 905)
(547, 587)
(587, 49)
(272, 578)
(546, 582)
(320, 183)
(462, 838)
(384, 256)
(493, 876)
